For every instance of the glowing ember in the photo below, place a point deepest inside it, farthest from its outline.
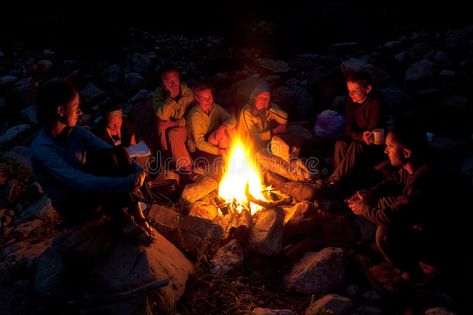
(241, 171)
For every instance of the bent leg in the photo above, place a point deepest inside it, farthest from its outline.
(346, 158)
(177, 140)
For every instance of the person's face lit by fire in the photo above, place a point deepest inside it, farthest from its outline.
(205, 99)
(398, 155)
(115, 121)
(69, 113)
(262, 100)
(171, 82)
(357, 92)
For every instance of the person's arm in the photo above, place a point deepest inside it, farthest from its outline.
(350, 122)
(198, 130)
(92, 142)
(74, 178)
(405, 208)
(390, 185)
(186, 99)
(250, 126)
(375, 114)
(277, 114)
(164, 106)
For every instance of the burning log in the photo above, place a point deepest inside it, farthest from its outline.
(294, 169)
(265, 204)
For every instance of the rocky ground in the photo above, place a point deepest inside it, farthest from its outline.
(426, 75)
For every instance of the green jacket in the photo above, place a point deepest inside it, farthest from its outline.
(200, 126)
(167, 108)
(257, 128)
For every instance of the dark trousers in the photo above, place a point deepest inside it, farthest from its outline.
(354, 157)
(85, 206)
(406, 246)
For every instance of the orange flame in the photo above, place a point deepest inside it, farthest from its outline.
(241, 172)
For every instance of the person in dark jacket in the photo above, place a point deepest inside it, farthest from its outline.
(407, 208)
(85, 177)
(363, 114)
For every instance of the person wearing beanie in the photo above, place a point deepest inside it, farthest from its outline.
(260, 119)
(113, 128)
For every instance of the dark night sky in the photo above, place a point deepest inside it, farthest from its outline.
(301, 24)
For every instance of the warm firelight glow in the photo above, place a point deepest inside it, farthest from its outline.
(241, 171)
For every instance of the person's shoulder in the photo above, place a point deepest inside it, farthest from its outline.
(194, 112)
(40, 139)
(275, 107)
(375, 98)
(81, 130)
(185, 88)
(245, 110)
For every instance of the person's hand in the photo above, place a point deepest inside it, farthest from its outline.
(357, 204)
(220, 132)
(181, 122)
(368, 137)
(173, 91)
(140, 179)
(222, 152)
(282, 128)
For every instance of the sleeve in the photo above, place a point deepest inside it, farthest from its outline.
(388, 186)
(186, 99)
(249, 128)
(163, 105)
(402, 211)
(72, 177)
(198, 130)
(277, 114)
(349, 122)
(375, 114)
(253, 129)
(92, 141)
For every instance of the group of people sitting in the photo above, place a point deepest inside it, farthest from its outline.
(88, 176)
(191, 126)
(87, 172)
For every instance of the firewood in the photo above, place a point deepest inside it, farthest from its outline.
(265, 204)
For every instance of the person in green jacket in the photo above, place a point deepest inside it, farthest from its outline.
(260, 119)
(170, 102)
(210, 127)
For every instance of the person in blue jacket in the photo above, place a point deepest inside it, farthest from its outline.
(85, 177)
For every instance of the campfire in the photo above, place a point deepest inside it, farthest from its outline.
(241, 185)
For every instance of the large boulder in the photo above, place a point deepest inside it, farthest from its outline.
(317, 272)
(129, 266)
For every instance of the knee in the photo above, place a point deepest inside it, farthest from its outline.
(340, 144)
(381, 237)
(176, 134)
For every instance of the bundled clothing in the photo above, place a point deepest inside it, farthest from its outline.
(256, 125)
(167, 108)
(362, 117)
(352, 153)
(200, 125)
(171, 123)
(123, 140)
(408, 211)
(60, 165)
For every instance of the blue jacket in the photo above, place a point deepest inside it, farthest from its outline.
(58, 166)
